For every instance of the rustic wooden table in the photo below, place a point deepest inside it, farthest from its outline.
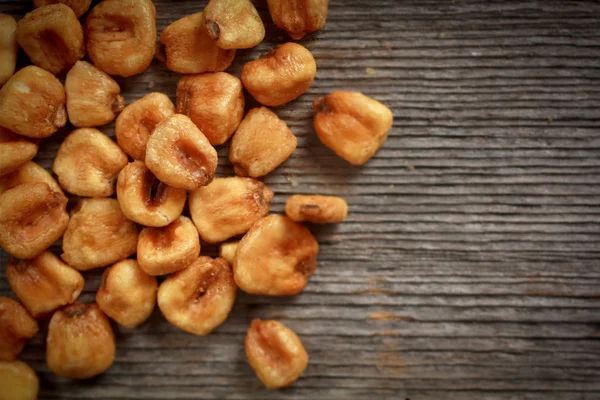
(469, 266)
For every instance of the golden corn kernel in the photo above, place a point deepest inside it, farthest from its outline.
(18, 381)
(275, 353)
(17, 326)
(214, 102)
(189, 50)
(29, 172)
(169, 249)
(79, 7)
(227, 251)
(98, 234)
(316, 209)
(198, 298)
(32, 217)
(180, 155)
(138, 120)
(8, 47)
(15, 150)
(351, 124)
(88, 162)
(276, 257)
(121, 36)
(44, 283)
(228, 207)
(298, 17)
(233, 24)
(146, 200)
(262, 143)
(32, 103)
(52, 37)
(281, 75)
(80, 342)
(93, 97)
(127, 293)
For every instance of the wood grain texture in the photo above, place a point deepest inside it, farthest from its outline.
(469, 266)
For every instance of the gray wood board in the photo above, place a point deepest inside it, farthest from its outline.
(469, 266)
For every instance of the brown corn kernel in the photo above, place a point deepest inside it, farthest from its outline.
(281, 75)
(79, 7)
(227, 251)
(275, 353)
(351, 124)
(80, 342)
(121, 36)
(44, 283)
(93, 97)
(88, 162)
(298, 18)
(32, 103)
(316, 209)
(189, 50)
(127, 293)
(229, 207)
(262, 142)
(32, 217)
(233, 24)
(29, 172)
(276, 257)
(17, 326)
(198, 298)
(18, 381)
(15, 151)
(180, 155)
(52, 37)
(214, 102)
(8, 47)
(169, 249)
(98, 234)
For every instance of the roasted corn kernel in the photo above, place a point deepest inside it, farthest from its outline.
(29, 172)
(8, 47)
(17, 326)
(233, 24)
(316, 209)
(18, 381)
(79, 7)
(298, 17)
(227, 251)
(15, 151)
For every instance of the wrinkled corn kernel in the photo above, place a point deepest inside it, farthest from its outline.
(79, 7)
(198, 298)
(214, 102)
(316, 209)
(18, 381)
(281, 75)
(169, 249)
(275, 353)
(227, 251)
(262, 143)
(29, 172)
(8, 47)
(276, 257)
(229, 207)
(351, 124)
(233, 24)
(298, 17)
(14, 151)
(17, 326)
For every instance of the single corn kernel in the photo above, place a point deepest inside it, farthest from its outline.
(8, 47)
(79, 7)
(227, 251)
(52, 37)
(17, 326)
(262, 143)
(29, 172)
(88, 162)
(44, 283)
(32, 217)
(275, 353)
(316, 209)
(32, 103)
(18, 381)
(15, 150)
(188, 49)
(180, 155)
(276, 257)
(98, 234)
(169, 249)
(146, 200)
(93, 97)
(127, 293)
(80, 342)
(281, 75)
(138, 120)
(298, 17)
(121, 36)
(233, 24)
(198, 298)
(214, 102)
(351, 124)
(228, 207)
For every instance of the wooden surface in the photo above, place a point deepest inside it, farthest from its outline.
(469, 267)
